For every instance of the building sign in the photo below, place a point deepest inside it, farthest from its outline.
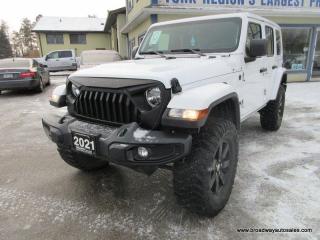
(304, 4)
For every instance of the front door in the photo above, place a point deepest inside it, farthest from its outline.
(52, 61)
(316, 59)
(252, 92)
(66, 60)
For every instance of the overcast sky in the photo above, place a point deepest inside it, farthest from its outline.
(13, 11)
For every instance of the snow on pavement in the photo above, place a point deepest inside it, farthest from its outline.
(277, 184)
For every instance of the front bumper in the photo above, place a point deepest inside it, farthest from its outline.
(19, 84)
(119, 145)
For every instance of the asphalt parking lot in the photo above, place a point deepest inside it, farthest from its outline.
(277, 184)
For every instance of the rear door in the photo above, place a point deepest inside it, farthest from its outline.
(53, 61)
(271, 61)
(66, 59)
(252, 92)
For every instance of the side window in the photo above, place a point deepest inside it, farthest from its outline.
(35, 64)
(270, 41)
(254, 32)
(65, 54)
(53, 55)
(279, 44)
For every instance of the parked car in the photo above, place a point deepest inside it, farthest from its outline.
(23, 73)
(60, 60)
(178, 105)
(92, 58)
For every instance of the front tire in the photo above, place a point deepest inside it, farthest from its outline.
(272, 114)
(203, 181)
(81, 161)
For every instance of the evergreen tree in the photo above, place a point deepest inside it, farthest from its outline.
(5, 46)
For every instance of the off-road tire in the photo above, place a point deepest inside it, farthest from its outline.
(193, 176)
(81, 161)
(272, 114)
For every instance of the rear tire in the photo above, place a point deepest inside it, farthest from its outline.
(40, 88)
(81, 161)
(203, 181)
(272, 114)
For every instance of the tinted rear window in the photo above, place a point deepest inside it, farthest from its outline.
(15, 63)
(65, 54)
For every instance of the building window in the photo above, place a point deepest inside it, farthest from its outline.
(140, 38)
(296, 45)
(278, 40)
(270, 41)
(55, 38)
(78, 38)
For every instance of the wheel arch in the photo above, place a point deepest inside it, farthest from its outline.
(281, 78)
(226, 107)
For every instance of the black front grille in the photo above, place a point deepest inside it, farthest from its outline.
(114, 107)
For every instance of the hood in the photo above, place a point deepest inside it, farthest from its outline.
(186, 70)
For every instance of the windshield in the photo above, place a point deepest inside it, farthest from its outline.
(216, 35)
(15, 63)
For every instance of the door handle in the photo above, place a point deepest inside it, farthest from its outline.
(274, 67)
(262, 70)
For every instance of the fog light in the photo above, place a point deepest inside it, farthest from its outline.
(143, 152)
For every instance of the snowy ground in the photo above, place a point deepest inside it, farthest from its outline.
(277, 185)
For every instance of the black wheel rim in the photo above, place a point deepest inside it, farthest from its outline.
(220, 166)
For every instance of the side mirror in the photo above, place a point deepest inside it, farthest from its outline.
(257, 48)
(58, 97)
(134, 51)
(46, 58)
(43, 65)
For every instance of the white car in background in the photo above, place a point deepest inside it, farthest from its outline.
(92, 58)
(60, 60)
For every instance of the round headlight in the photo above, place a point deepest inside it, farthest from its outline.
(153, 96)
(75, 91)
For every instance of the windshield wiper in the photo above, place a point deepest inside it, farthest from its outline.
(154, 53)
(192, 50)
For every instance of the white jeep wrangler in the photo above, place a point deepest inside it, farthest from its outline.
(177, 105)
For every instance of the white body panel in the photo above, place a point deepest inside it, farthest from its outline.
(208, 78)
(190, 99)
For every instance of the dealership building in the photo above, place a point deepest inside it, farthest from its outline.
(299, 19)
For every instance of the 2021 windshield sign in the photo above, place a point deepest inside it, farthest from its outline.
(253, 3)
